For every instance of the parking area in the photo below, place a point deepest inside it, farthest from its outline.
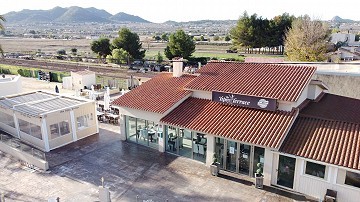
(130, 171)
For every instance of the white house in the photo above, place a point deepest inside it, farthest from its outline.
(79, 80)
(10, 85)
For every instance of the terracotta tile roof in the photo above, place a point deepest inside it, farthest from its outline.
(334, 107)
(264, 128)
(327, 131)
(333, 142)
(283, 82)
(156, 95)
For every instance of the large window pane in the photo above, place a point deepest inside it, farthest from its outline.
(24, 126)
(199, 145)
(7, 119)
(352, 179)
(171, 139)
(54, 131)
(185, 143)
(30, 129)
(84, 121)
(315, 169)
(219, 151)
(35, 131)
(142, 131)
(132, 134)
(64, 127)
(259, 154)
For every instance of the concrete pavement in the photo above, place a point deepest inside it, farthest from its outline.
(130, 171)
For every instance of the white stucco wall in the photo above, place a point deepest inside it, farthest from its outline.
(316, 187)
(202, 94)
(10, 85)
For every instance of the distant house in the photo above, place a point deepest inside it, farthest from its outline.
(79, 80)
(347, 38)
(10, 85)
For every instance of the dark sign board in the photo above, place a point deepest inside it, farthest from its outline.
(244, 101)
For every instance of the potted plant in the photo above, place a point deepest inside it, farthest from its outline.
(259, 178)
(215, 166)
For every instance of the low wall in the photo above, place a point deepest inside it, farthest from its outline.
(24, 156)
(343, 84)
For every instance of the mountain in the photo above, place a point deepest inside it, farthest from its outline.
(123, 17)
(77, 14)
(72, 14)
(101, 13)
(340, 20)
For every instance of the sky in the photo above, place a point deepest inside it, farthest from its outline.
(159, 11)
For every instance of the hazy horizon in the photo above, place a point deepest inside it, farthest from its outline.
(159, 11)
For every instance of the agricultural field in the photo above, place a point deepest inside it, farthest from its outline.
(51, 46)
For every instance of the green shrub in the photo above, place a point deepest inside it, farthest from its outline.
(5, 71)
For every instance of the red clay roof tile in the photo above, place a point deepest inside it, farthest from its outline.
(264, 128)
(281, 82)
(156, 95)
(327, 131)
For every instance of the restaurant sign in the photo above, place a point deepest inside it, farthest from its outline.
(244, 100)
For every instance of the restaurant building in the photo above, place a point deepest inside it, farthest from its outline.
(46, 120)
(241, 113)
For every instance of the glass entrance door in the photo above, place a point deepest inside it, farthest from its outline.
(231, 156)
(244, 159)
(286, 170)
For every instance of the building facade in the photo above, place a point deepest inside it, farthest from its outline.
(241, 114)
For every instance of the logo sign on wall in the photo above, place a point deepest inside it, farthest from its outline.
(244, 101)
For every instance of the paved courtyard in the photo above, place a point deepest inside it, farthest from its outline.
(130, 171)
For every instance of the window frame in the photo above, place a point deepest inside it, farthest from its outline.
(315, 176)
(355, 187)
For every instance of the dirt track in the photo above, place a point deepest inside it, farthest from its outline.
(67, 67)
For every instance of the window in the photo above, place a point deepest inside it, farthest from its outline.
(315, 169)
(59, 129)
(352, 179)
(64, 127)
(7, 119)
(30, 129)
(84, 121)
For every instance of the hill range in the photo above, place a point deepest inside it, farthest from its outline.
(72, 14)
(77, 14)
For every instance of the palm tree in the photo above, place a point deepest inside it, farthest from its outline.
(1, 28)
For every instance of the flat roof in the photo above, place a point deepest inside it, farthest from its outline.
(39, 103)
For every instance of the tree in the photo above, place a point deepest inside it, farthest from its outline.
(118, 56)
(61, 52)
(1, 28)
(255, 32)
(164, 37)
(101, 47)
(130, 42)
(74, 51)
(157, 38)
(307, 40)
(227, 38)
(159, 58)
(216, 38)
(179, 45)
